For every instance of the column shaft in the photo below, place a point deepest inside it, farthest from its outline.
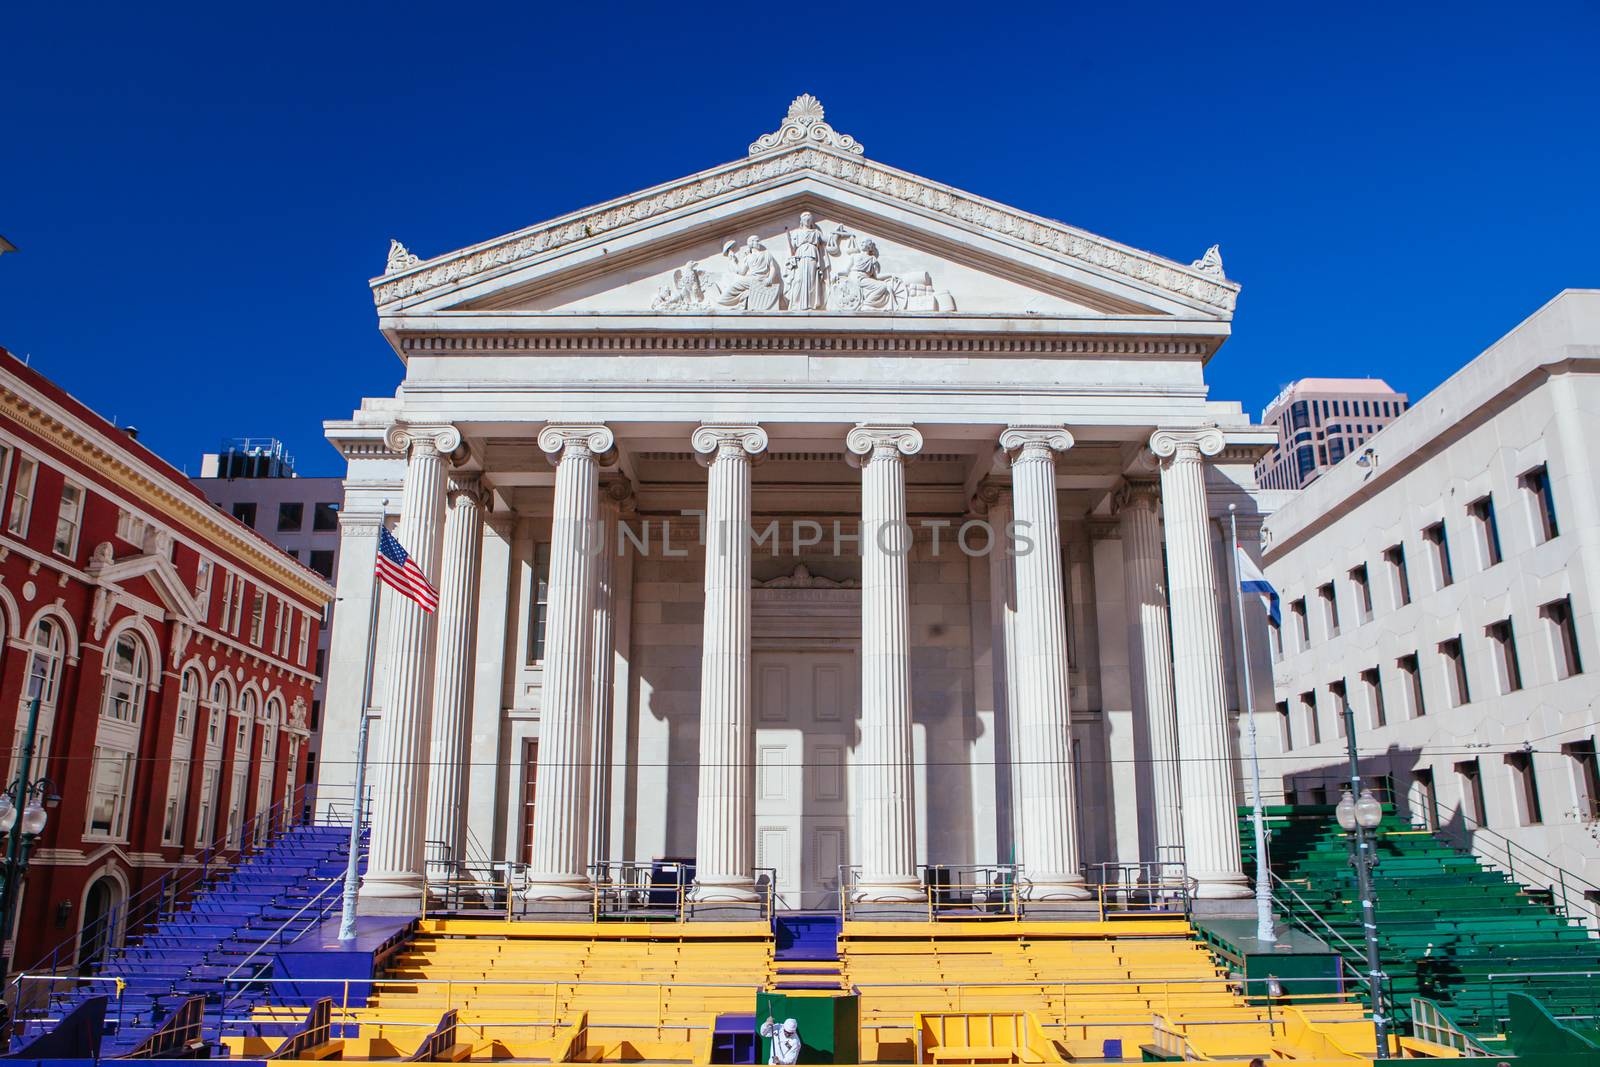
(1149, 644)
(600, 695)
(1003, 617)
(1048, 816)
(725, 820)
(559, 847)
(394, 878)
(452, 674)
(1206, 772)
(885, 780)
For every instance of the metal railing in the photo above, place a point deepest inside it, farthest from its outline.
(1430, 1023)
(1569, 891)
(320, 907)
(1159, 888)
(1506, 982)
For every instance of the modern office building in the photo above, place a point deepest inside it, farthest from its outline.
(1446, 590)
(253, 479)
(167, 652)
(1319, 422)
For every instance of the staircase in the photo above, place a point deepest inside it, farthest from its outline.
(806, 956)
(230, 930)
(1449, 928)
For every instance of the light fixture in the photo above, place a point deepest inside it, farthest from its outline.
(1346, 812)
(1274, 987)
(1369, 813)
(8, 813)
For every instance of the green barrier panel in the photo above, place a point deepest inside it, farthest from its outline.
(1533, 1031)
(830, 1024)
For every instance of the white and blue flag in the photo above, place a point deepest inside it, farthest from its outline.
(1251, 580)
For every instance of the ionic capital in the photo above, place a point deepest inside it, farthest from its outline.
(728, 439)
(868, 440)
(1187, 444)
(411, 439)
(1034, 442)
(558, 440)
(1137, 494)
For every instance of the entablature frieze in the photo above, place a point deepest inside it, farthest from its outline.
(864, 342)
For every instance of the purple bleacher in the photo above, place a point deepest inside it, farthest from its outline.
(247, 917)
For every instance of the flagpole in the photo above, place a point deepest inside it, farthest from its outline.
(352, 876)
(1264, 927)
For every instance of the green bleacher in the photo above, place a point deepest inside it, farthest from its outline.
(1446, 923)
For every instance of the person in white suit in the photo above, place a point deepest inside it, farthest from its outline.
(785, 1040)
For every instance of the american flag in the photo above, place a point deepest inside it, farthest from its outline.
(401, 572)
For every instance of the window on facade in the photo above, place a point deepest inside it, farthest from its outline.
(177, 792)
(1455, 671)
(22, 496)
(221, 700)
(1472, 791)
(1541, 504)
(5, 471)
(1525, 784)
(325, 517)
(1308, 709)
(1363, 590)
(1504, 644)
(1439, 554)
(108, 792)
(322, 662)
(1341, 703)
(188, 705)
(1395, 557)
(1297, 610)
(541, 603)
(530, 780)
(321, 561)
(202, 587)
(125, 681)
(130, 527)
(1284, 727)
(1427, 799)
(1586, 776)
(304, 648)
(1275, 639)
(46, 653)
(1411, 671)
(258, 613)
(1487, 530)
(245, 512)
(1373, 683)
(291, 517)
(316, 718)
(1563, 637)
(1330, 608)
(228, 593)
(69, 520)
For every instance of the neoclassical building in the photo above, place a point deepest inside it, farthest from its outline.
(801, 517)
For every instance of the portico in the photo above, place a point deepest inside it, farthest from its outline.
(853, 547)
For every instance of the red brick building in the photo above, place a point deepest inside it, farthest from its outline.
(173, 651)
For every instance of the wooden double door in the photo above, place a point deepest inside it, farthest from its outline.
(806, 705)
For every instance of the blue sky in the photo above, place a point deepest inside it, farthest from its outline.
(200, 193)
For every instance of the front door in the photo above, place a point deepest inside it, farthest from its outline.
(805, 706)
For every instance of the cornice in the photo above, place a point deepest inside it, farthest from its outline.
(530, 245)
(876, 343)
(155, 491)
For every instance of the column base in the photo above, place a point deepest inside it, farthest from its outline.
(889, 890)
(558, 888)
(1048, 886)
(724, 891)
(577, 911)
(1226, 885)
(390, 894)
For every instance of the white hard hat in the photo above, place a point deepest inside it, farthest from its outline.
(790, 1026)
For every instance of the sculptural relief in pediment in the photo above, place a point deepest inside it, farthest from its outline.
(806, 269)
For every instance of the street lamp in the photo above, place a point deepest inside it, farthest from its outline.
(1359, 813)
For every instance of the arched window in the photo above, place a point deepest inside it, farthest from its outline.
(126, 677)
(269, 753)
(205, 831)
(249, 703)
(182, 745)
(47, 651)
(188, 705)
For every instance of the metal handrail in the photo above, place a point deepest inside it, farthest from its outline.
(336, 883)
(1557, 876)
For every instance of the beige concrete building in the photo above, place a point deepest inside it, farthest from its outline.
(1319, 422)
(1447, 590)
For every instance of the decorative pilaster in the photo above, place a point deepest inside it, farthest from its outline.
(452, 670)
(725, 824)
(614, 494)
(559, 847)
(394, 879)
(1206, 772)
(885, 781)
(1043, 716)
(1149, 643)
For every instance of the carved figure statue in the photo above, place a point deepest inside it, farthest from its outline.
(807, 268)
(858, 285)
(686, 291)
(755, 283)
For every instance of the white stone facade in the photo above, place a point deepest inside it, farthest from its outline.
(866, 369)
(1487, 489)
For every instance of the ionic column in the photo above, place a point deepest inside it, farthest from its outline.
(613, 492)
(1206, 772)
(1003, 642)
(559, 847)
(394, 879)
(1042, 715)
(885, 782)
(452, 667)
(725, 827)
(1149, 642)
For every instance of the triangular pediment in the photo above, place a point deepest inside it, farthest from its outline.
(882, 241)
(148, 576)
